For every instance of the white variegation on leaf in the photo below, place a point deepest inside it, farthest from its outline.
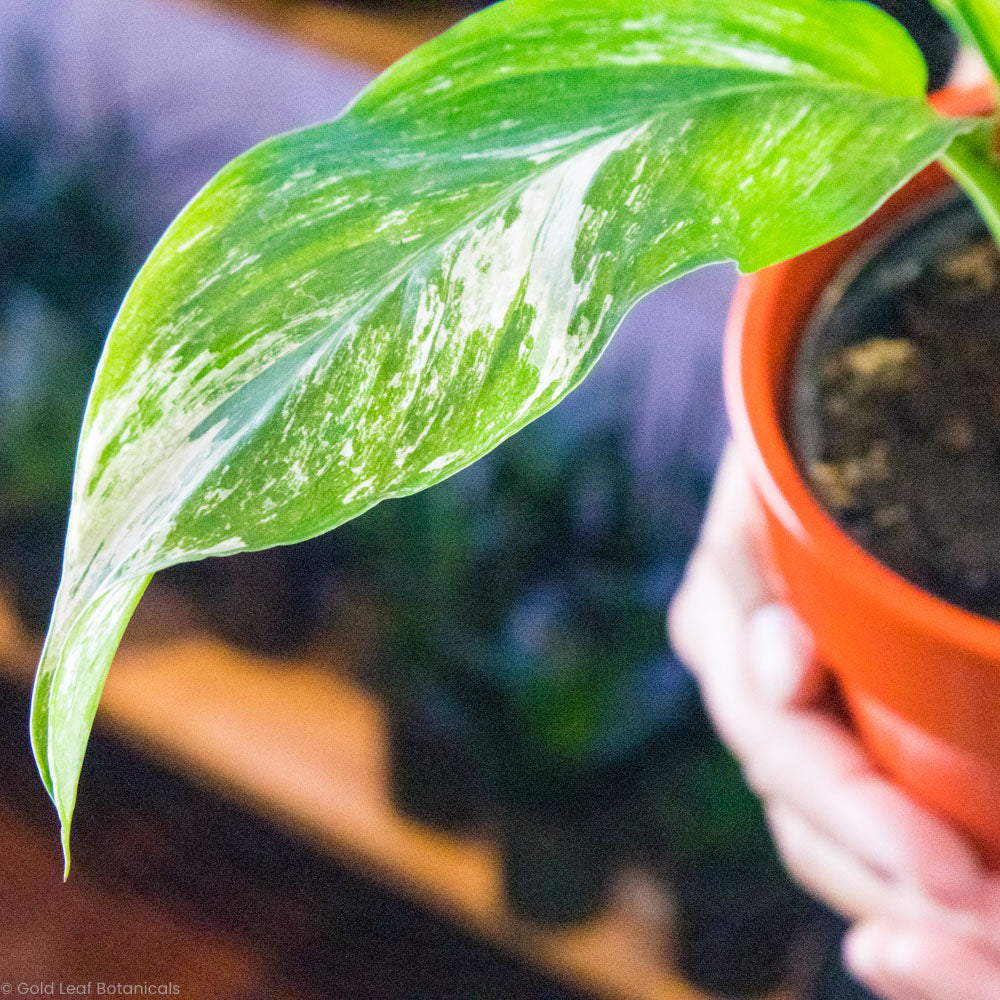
(357, 310)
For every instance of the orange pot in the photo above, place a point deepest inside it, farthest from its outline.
(920, 676)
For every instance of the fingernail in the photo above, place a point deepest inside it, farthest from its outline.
(779, 652)
(880, 957)
(866, 954)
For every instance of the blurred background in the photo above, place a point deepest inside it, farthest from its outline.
(443, 752)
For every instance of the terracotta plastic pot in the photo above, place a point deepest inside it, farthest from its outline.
(920, 676)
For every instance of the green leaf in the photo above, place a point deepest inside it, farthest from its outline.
(357, 310)
(952, 11)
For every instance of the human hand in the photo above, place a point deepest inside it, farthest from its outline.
(910, 961)
(845, 832)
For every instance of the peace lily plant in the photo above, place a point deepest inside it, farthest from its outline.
(357, 310)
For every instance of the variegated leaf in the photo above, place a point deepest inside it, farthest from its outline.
(357, 310)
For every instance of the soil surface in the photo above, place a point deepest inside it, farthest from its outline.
(896, 411)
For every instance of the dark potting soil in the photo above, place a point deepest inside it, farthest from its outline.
(896, 408)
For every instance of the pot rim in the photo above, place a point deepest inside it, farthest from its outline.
(755, 415)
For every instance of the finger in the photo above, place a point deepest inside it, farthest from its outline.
(707, 632)
(782, 658)
(902, 961)
(828, 870)
(744, 648)
(733, 535)
(812, 762)
(825, 869)
(723, 583)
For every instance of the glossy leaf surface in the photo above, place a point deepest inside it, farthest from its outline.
(357, 310)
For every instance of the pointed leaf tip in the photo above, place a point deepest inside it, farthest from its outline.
(356, 310)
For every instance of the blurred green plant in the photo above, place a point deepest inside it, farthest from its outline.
(67, 254)
(535, 583)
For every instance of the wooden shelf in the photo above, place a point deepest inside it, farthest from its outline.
(82, 931)
(370, 38)
(297, 742)
(301, 743)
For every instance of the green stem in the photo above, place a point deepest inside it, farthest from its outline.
(970, 160)
(982, 19)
